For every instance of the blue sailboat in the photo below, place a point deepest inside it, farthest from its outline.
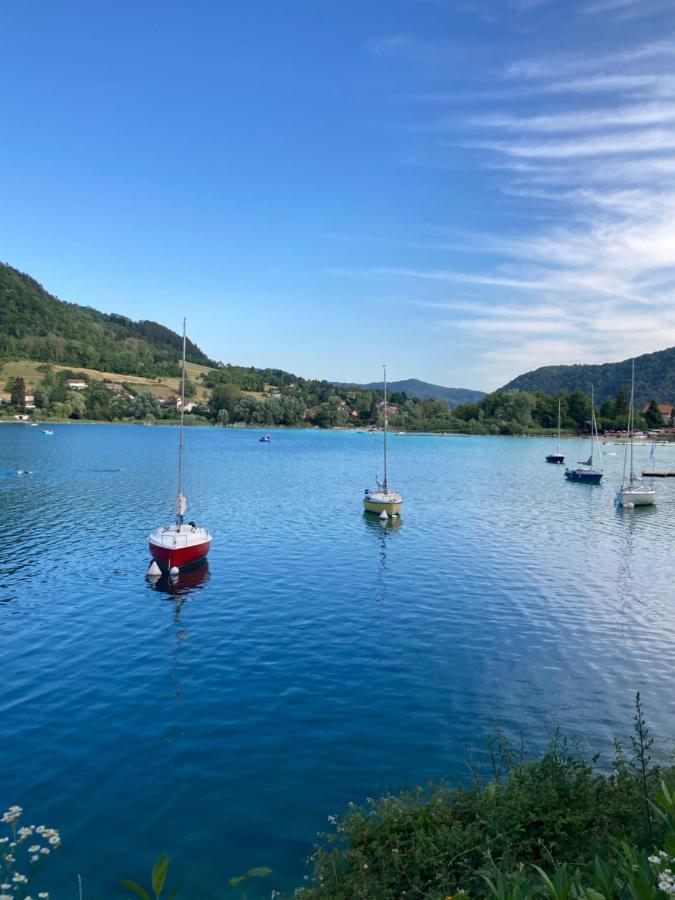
(587, 474)
(557, 457)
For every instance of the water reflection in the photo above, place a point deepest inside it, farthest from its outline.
(182, 585)
(383, 532)
(177, 590)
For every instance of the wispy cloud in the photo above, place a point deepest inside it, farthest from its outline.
(625, 9)
(581, 120)
(584, 141)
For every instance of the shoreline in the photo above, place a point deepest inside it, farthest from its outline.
(174, 423)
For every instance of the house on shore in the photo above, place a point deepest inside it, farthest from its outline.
(666, 410)
(118, 389)
(76, 384)
(174, 403)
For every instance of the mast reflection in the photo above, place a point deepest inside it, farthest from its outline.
(382, 532)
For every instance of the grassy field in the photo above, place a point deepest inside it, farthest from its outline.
(162, 388)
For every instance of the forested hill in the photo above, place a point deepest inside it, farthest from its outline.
(654, 378)
(426, 391)
(36, 325)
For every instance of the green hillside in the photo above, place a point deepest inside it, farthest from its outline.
(654, 378)
(38, 326)
(413, 387)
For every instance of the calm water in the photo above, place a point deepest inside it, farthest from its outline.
(324, 657)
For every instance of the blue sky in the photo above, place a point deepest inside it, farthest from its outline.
(464, 189)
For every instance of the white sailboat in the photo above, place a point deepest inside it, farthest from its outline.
(557, 457)
(632, 492)
(383, 501)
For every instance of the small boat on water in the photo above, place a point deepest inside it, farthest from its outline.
(557, 457)
(383, 502)
(265, 439)
(175, 548)
(47, 431)
(587, 474)
(632, 492)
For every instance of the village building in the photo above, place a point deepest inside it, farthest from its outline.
(175, 403)
(666, 410)
(118, 389)
(76, 384)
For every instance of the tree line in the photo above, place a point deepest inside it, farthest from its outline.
(239, 396)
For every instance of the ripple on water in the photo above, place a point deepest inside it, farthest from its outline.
(323, 657)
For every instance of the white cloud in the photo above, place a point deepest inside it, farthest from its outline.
(582, 120)
(590, 277)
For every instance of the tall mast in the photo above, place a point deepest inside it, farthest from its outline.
(558, 425)
(631, 417)
(592, 421)
(181, 504)
(384, 368)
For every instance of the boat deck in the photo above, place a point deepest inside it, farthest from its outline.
(659, 473)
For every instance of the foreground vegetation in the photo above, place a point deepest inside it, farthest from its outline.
(562, 826)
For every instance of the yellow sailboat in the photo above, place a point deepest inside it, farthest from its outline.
(382, 501)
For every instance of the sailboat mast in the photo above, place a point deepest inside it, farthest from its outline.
(558, 425)
(631, 418)
(592, 420)
(384, 368)
(180, 501)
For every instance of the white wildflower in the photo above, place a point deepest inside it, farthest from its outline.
(654, 860)
(5, 886)
(34, 849)
(45, 850)
(43, 895)
(332, 820)
(4, 840)
(55, 840)
(35, 858)
(19, 878)
(6, 897)
(12, 814)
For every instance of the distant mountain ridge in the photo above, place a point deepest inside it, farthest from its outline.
(654, 378)
(413, 387)
(36, 325)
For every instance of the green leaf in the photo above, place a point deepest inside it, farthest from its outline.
(159, 870)
(136, 889)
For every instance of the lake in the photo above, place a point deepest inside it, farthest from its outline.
(322, 657)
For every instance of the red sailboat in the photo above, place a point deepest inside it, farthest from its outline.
(182, 545)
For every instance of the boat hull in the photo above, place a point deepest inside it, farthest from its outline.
(636, 498)
(556, 458)
(583, 476)
(180, 548)
(182, 558)
(379, 506)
